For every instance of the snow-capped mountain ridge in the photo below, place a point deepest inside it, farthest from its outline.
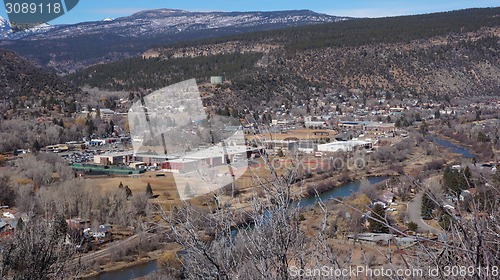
(167, 20)
(61, 46)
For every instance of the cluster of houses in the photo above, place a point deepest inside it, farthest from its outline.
(93, 235)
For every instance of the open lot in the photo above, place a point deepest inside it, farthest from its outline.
(163, 186)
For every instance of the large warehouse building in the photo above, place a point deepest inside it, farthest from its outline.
(212, 157)
(344, 146)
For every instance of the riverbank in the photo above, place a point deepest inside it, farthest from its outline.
(328, 184)
(117, 266)
(456, 146)
(128, 269)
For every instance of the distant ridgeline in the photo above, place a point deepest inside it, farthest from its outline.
(434, 54)
(367, 31)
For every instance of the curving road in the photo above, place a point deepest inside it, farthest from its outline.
(415, 216)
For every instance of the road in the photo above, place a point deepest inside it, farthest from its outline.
(415, 216)
(112, 248)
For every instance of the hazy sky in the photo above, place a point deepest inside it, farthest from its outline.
(90, 10)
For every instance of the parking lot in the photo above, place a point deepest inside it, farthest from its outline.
(87, 155)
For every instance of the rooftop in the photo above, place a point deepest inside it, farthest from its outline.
(218, 151)
(346, 143)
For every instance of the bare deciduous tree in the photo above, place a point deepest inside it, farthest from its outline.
(37, 251)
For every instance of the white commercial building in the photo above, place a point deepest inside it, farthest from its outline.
(344, 146)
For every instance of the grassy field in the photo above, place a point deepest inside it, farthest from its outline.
(163, 186)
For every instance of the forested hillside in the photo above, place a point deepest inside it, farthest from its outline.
(24, 85)
(137, 73)
(358, 32)
(453, 53)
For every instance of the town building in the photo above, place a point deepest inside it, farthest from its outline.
(308, 147)
(211, 157)
(216, 80)
(345, 146)
(283, 145)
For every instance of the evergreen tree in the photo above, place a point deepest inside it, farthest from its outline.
(397, 123)
(72, 107)
(36, 146)
(149, 190)
(20, 224)
(111, 127)
(423, 128)
(280, 153)
(98, 113)
(234, 113)
(378, 226)
(427, 207)
(482, 137)
(412, 226)
(455, 181)
(90, 127)
(60, 226)
(128, 192)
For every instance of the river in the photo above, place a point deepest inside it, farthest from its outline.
(342, 191)
(128, 273)
(452, 147)
(149, 267)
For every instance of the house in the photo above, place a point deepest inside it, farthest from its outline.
(8, 214)
(467, 194)
(100, 234)
(7, 227)
(383, 204)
